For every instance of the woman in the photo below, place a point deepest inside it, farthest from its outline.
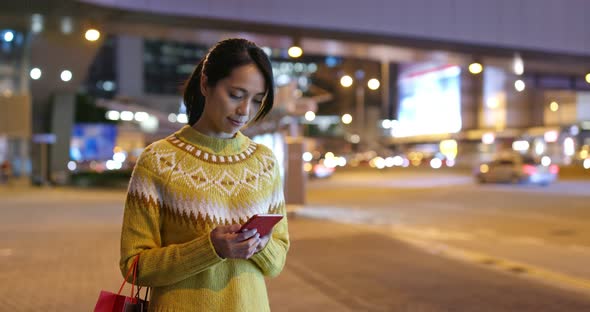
(190, 192)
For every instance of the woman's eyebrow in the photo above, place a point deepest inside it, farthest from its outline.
(239, 89)
(246, 91)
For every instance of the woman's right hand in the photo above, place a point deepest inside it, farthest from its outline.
(229, 243)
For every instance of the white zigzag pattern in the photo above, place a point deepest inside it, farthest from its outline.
(173, 202)
(219, 212)
(216, 211)
(145, 186)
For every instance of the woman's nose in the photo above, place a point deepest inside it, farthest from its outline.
(244, 108)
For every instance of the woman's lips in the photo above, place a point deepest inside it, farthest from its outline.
(236, 123)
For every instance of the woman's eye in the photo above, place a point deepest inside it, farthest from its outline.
(235, 96)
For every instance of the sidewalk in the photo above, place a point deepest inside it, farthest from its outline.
(59, 248)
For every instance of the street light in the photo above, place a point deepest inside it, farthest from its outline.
(519, 85)
(346, 119)
(295, 51)
(373, 84)
(475, 68)
(346, 81)
(92, 34)
(8, 36)
(66, 75)
(518, 64)
(35, 73)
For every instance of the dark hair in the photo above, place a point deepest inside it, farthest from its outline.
(218, 64)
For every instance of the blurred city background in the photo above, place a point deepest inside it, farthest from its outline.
(435, 154)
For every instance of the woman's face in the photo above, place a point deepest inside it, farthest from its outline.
(232, 102)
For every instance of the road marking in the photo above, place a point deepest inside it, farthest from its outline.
(430, 240)
(504, 265)
(432, 233)
(499, 212)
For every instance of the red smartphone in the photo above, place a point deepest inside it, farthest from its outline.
(263, 223)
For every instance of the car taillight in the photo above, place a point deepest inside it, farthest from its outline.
(529, 169)
(554, 169)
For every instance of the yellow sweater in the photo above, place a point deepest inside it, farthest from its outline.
(181, 188)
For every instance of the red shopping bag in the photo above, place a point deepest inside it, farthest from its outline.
(111, 302)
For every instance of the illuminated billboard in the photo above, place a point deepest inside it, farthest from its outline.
(430, 102)
(92, 141)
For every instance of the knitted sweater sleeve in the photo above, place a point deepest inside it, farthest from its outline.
(271, 259)
(140, 235)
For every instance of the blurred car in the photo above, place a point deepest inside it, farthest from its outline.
(318, 169)
(519, 169)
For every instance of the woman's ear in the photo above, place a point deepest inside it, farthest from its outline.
(204, 86)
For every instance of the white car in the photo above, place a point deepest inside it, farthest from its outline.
(515, 170)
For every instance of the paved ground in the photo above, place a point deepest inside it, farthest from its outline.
(59, 247)
(542, 226)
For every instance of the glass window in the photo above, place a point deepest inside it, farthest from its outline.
(167, 65)
(102, 74)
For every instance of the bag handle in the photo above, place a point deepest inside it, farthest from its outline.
(134, 269)
(135, 264)
(138, 293)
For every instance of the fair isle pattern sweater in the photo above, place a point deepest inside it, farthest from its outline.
(182, 187)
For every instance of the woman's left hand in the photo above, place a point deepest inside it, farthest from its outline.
(263, 241)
